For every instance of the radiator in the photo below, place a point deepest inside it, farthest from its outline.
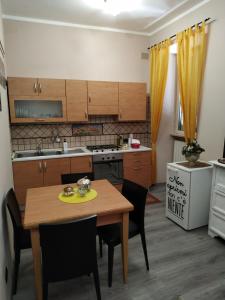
(177, 149)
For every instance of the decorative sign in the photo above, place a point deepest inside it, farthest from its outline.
(87, 129)
(177, 196)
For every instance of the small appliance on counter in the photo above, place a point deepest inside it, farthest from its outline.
(135, 143)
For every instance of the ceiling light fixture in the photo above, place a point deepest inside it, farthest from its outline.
(114, 7)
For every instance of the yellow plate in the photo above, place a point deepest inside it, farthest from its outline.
(76, 198)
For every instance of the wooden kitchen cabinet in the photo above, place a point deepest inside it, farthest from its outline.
(137, 167)
(33, 100)
(102, 98)
(37, 173)
(51, 87)
(26, 109)
(81, 164)
(132, 101)
(54, 168)
(19, 86)
(26, 174)
(76, 93)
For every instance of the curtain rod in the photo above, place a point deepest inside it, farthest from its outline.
(209, 20)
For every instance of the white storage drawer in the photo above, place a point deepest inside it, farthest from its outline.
(217, 224)
(220, 176)
(219, 201)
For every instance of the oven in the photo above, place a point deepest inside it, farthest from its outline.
(108, 166)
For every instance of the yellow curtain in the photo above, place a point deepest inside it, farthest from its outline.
(159, 57)
(190, 63)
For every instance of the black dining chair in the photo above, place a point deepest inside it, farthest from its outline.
(68, 251)
(21, 236)
(110, 234)
(74, 177)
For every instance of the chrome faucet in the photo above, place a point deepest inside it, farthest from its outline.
(55, 135)
(39, 147)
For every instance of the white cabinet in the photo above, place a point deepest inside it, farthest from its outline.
(188, 194)
(217, 204)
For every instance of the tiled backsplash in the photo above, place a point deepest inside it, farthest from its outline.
(27, 137)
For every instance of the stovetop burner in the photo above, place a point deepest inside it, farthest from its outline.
(103, 148)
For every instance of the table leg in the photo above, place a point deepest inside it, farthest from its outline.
(35, 240)
(125, 227)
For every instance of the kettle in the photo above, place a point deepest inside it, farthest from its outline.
(84, 184)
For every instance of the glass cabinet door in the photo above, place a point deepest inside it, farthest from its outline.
(24, 110)
(38, 109)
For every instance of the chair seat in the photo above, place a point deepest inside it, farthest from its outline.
(25, 240)
(111, 233)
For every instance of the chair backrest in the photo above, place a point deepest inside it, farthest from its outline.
(74, 177)
(136, 194)
(68, 249)
(14, 211)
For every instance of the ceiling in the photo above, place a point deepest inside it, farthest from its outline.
(78, 12)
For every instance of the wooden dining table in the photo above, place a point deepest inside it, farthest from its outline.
(44, 207)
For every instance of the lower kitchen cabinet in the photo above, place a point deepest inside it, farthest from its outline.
(81, 164)
(53, 169)
(27, 174)
(137, 167)
(37, 173)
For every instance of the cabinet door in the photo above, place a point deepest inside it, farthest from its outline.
(51, 87)
(36, 110)
(76, 94)
(22, 86)
(26, 174)
(54, 168)
(102, 98)
(132, 101)
(81, 164)
(137, 167)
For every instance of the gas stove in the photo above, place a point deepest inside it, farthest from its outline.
(103, 148)
(105, 153)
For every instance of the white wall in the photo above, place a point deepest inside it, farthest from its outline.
(42, 50)
(211, 130)
(5, 184)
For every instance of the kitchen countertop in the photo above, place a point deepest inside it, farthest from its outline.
(85, 153)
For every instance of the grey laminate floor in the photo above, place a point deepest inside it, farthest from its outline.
(183, 265)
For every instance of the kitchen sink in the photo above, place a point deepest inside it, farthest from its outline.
(74, 151)
(26, 154)
(48, 153)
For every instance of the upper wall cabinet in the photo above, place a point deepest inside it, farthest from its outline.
(102, 98)
(37, 100)
(19, 86)
(132, 101)
(76, 94)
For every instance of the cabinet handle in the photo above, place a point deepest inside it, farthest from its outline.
(40, 167)
(40, 120)
(89, 98)
(135, 169)
(39, 87)
(35, 87)
(45, 166)
(120, 116)
(86, 115)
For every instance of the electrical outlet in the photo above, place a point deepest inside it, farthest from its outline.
(6, 275)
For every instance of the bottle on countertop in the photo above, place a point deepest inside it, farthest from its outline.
(65, 146)
(130, 139)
